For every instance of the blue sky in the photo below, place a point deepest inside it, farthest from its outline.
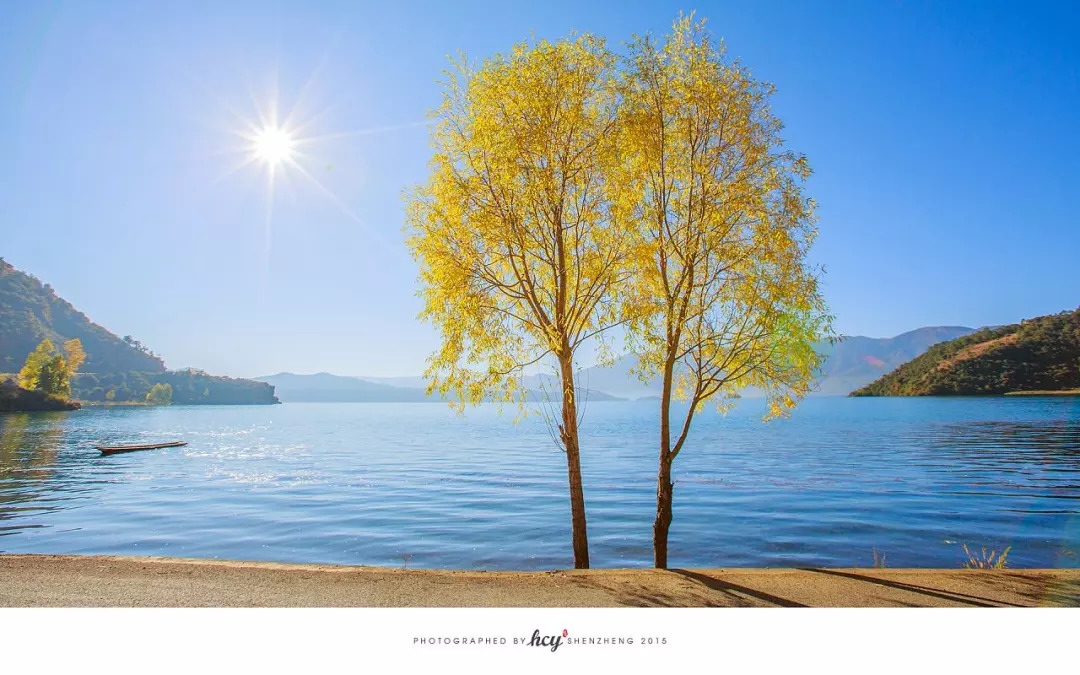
(944, 139)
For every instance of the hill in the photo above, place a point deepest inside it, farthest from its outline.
(189, 387)
(1041, 354)
(116, 370)
(31, 311)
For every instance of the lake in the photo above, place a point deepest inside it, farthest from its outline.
(416, 484)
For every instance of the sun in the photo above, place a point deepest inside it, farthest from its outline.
(274, 145)
(285, 149)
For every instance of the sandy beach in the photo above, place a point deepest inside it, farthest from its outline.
(115, 581)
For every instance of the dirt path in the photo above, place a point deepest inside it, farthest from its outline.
(43, 580)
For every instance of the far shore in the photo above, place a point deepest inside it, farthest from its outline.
(120, 581)
(1045, 392)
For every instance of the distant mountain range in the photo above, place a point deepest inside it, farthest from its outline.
(325, 387)
(1040, 354)
(851, 363)
(959, 360)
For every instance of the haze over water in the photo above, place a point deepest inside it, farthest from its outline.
(376, 483)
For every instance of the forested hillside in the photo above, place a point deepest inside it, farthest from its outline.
(187, 387)
(115, 370)
(30, 312)
(1041, 354)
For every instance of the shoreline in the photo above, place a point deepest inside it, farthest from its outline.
(38, 580)
(1045, 392)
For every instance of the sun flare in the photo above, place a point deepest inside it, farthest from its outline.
(274, 145)
(284, 148)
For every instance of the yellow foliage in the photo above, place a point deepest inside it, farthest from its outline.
(722, 296)
(517, 230)
(75, 355)
(36, 362)
(46, 370)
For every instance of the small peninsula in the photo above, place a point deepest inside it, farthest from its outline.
(14, 398)
(1040, 355)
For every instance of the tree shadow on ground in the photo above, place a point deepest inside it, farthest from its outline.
(941, 594)
(1049, 592)
(736, 591)
(639, 595)
(989, 588)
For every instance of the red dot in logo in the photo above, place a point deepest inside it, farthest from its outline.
(564, 633)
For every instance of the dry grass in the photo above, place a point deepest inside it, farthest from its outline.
(985, 560)
(879, 559)
(977, 349)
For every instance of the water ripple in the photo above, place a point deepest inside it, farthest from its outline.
(382, 483)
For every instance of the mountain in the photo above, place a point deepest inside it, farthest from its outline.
(613, 380)
(1040, 354)
(116, 369)
(30, 311)
(406, 381)
(325, 387)
(856, 361)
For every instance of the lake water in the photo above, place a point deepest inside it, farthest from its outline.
(375, 484)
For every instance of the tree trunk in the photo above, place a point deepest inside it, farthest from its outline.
(569, 432)
(664, 487)
(664, 493)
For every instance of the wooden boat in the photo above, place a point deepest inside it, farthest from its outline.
(114, 449)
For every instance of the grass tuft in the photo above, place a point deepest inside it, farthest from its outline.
(985, 560)
(879, 559)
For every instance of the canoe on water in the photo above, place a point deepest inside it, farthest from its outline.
(113, 449)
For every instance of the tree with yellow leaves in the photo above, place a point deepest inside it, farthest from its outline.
(723, 295)
(76, 355)
(38, 362)
(49, 371)
(517, 228)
